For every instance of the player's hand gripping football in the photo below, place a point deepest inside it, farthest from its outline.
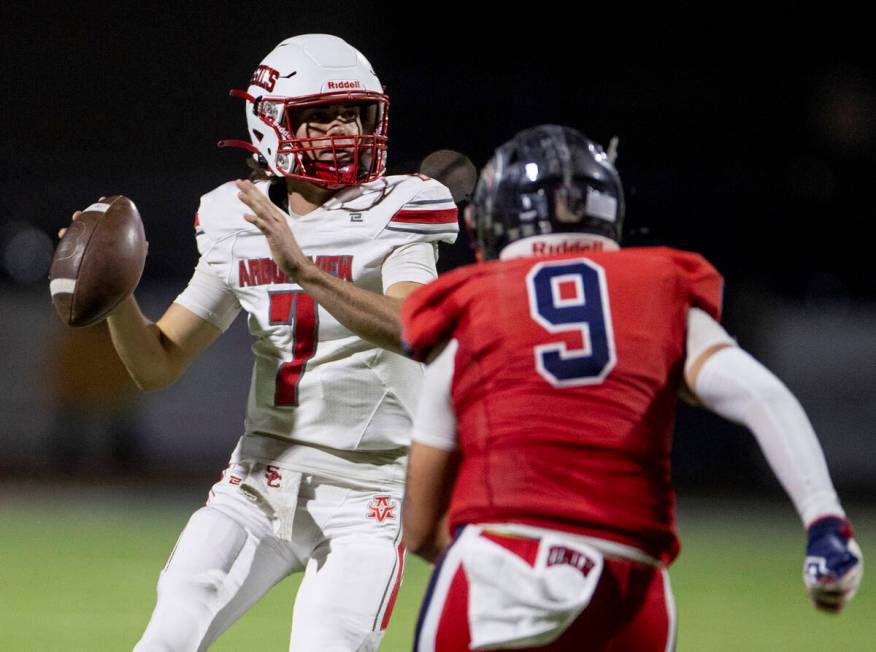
(271, 221)
(834, 564)
(74, 217)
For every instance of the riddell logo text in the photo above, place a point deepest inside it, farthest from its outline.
(564, 247)
(342, 85)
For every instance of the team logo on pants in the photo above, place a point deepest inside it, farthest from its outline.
(382, 508)
(273, 477)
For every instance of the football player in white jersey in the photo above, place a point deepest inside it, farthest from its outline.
(315, 482)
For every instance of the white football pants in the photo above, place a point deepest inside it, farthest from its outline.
(347, 541)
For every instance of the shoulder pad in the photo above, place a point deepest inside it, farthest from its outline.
(427, 210)
(706, 285)
(220, 213)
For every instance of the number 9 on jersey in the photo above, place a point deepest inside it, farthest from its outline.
(571, 296)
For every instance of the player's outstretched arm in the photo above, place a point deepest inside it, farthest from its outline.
(373, 317)
(433, 461)
(157, 354)
(427, 493)
(734, 385)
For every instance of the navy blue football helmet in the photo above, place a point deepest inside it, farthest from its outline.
(547, 179)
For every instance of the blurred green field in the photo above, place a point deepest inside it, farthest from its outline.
(78, 571)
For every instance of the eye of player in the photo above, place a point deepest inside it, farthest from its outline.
(321, 117)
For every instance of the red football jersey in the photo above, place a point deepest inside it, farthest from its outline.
(565, 387)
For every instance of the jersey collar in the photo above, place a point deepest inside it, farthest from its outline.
(555, 244)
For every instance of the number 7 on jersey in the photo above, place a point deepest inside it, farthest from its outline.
(298, 309)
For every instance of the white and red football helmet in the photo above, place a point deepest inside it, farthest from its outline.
(306, 71)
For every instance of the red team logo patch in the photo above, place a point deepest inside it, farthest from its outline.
(382, 508)
(568, 557)
(273, 477)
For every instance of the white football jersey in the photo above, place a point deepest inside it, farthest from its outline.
(322, 399)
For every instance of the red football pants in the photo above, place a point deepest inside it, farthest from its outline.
(632, 609)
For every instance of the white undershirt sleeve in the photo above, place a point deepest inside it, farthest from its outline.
(734, 385)
(411, 262)
(209, 298)
(703, 332)
(434, 419)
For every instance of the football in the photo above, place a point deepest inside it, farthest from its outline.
(454, 169)
(98, 262)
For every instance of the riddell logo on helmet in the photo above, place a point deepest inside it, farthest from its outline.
(342, 85)
(264, 77)
(541, 248)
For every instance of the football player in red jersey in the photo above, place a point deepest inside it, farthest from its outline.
(542, 438)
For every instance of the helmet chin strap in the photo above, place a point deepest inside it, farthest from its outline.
(344, 175)
(555, 244)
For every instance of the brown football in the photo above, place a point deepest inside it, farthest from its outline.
(98, 262)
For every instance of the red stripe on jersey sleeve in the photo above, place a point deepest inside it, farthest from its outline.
(446, 216)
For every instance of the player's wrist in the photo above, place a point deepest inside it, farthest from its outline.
(306, 272)
(831, 523)
(124, 308)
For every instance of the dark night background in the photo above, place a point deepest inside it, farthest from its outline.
(751, 143)
(749, 139)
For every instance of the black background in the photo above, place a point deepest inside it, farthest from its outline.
(748, 138)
